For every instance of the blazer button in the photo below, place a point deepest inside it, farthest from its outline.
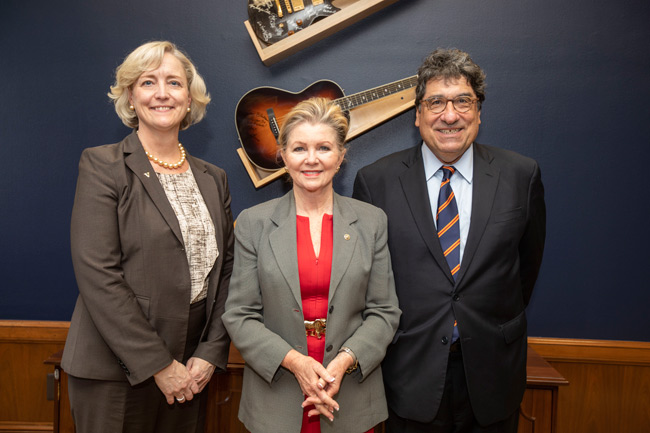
(444, 340)
(331, 309)
(329, 348)
(456, 298)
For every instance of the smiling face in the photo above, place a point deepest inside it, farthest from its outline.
(450, 133)
(161, 96)
(312, 156)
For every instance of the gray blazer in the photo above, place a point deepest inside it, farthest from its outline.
(131, 315)
(265, 320)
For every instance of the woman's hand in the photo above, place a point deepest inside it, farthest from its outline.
(337, 368)
(201, 371)
(176, 383)
(311, 375)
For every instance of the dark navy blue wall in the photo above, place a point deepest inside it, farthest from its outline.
(567, 85)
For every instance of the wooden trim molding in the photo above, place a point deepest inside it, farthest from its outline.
(609, 352)
(32, 331)
(31, 427)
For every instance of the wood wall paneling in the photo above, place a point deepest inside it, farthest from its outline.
(609, 390)
(24, 345)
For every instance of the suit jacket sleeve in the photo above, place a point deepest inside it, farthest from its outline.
(96, 257)
(361, 191)
(215, 347)
(531, 246)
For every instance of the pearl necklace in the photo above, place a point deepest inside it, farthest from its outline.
(168, 164)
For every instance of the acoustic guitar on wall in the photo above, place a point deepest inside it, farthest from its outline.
(259, 114)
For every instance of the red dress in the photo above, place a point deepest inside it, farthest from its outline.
(314, 275)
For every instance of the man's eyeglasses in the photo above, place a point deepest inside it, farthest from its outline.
(462, 104)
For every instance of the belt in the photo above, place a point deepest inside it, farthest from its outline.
(455, 346)
(315, 328)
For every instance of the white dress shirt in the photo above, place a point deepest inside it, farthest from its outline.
(461, 184)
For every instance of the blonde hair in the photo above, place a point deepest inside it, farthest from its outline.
(148, 57)
(315, 111)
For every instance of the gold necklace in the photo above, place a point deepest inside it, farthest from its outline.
(168, 164)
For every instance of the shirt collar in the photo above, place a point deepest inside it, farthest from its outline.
(464, 166)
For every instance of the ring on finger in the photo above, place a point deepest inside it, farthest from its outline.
(181, 399)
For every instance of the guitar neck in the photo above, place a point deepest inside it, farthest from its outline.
(349, 102)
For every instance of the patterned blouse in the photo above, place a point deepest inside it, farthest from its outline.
(196, 226)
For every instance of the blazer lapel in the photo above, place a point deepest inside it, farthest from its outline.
(415, 190)
(138, 163)
(486, 179)
(345, 239)
(283, 242)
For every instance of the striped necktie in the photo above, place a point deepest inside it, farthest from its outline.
(447, 220)
(448, 228)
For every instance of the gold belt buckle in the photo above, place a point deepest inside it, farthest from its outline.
(315, 327)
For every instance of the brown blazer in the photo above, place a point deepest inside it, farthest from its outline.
(131, 315)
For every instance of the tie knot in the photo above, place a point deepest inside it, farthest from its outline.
(447, 172)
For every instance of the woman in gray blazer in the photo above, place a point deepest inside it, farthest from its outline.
(151, 240)
(312, 304)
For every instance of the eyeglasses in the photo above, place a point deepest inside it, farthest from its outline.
(462, 104)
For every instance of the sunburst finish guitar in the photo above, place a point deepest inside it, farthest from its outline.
(260, 112)
(274, 20)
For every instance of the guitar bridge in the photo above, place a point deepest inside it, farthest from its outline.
(273, 124)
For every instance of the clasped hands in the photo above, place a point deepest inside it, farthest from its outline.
(181, 382)
(319, 384)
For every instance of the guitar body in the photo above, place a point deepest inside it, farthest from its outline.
(274, 20)
(257, 110)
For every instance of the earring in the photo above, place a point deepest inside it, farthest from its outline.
(338, 168)
(189, 109)
(131, 107)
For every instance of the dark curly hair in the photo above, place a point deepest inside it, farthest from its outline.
(449, 64)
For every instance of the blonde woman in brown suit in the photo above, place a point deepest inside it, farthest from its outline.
(151, 239)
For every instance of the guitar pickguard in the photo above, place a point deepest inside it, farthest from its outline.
(274, 20)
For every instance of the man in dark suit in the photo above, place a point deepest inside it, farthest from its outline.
(466, 229)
